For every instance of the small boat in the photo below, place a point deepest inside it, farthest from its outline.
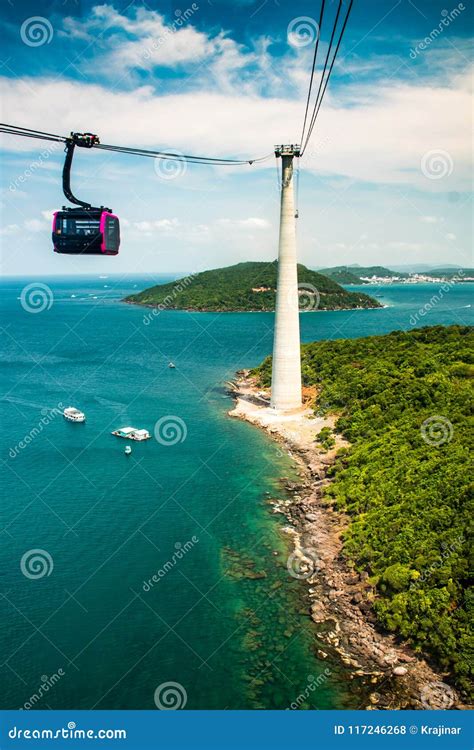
(74, 415)
(171, 365)
(132, 433)
(128, 450)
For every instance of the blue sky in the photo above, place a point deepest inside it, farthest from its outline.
(385, 180)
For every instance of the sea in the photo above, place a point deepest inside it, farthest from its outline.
(157, 579)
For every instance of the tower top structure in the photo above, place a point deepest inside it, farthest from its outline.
(293, 150)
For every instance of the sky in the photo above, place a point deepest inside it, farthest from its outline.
(385, 179)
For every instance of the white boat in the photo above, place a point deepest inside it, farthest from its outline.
(132, 433)
(74, 415)
(171, 365)
(128, 450)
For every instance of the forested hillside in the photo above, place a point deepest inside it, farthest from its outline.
(405, 403)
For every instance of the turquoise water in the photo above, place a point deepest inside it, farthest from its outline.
(225, 621)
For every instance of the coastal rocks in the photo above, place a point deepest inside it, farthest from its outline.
(399, 671)
(340, 599)
(237, 566)
(318, 612)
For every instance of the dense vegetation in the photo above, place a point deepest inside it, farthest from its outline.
(353, 274)
(405, 481)
(248, 287)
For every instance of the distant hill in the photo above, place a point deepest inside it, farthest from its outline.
(342, 276)
(449, 271)
(353, 274)
(248, 287)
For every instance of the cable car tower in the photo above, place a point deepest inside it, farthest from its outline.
(286, 366)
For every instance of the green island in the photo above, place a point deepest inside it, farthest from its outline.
(248, 287)
(404, 402)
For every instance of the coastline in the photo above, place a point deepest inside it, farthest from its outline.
(149, 306)
(338, 598)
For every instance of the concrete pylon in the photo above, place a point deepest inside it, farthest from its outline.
(286, 369)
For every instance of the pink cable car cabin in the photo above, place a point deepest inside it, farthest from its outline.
(81, 231)
(84, 230)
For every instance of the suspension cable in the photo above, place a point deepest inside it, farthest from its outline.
(321, 14)
(323, 86)
(210, 160)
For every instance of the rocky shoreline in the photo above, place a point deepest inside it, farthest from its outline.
(339, 598)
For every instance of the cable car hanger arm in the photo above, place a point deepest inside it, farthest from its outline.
(85, 140)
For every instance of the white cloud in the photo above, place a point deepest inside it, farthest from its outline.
(160, 224)
(252, 222)
(431, 219)
(380, 139)
(35, 225)
(10, 229)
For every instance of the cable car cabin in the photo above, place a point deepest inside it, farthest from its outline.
(86, 231)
